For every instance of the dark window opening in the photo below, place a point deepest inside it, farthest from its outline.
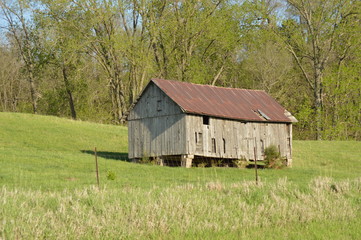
(224, 145)
(205, 120)
(159, 105)
(214, 145)
(200, 138)
(199, 141)
(289, 144)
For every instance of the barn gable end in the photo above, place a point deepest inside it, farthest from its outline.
(153, 103)
(153, 120)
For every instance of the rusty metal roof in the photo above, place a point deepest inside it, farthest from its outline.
(231, 103)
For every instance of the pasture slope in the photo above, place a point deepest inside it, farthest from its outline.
(48, 191)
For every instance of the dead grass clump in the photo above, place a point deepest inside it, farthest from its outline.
(241, 163)
(214, 186)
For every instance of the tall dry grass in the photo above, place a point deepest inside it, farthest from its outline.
(189, 210)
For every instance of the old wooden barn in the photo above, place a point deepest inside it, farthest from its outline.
(185, 121)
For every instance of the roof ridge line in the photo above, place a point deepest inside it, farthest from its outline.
(207, 85)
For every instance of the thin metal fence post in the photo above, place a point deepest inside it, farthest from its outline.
(255, 164)
(96, 166)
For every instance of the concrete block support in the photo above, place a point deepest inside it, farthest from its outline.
(186, 160)
(289, 162)
(160, 161)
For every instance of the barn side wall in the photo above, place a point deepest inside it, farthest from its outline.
(234, 139)
(156, 126)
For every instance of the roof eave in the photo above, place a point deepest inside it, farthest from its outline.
(126, 115)
(237, 119)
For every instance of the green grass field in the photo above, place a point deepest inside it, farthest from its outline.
(48, 189)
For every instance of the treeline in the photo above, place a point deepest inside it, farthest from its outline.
(89, 59)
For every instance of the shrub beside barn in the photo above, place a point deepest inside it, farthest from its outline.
(186, 121)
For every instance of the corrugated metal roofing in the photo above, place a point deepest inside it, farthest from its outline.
(231, 103)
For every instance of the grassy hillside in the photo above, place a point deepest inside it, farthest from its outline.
(47, 168)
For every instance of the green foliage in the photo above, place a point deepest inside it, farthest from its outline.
(216, 162)
(145, 159)
(273, 158)
(241, 163)
(305, 116)
(111, 175)
(202, 165)
(271, 152)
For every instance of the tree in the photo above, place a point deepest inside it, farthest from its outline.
(310, 36)
(192, 40)
(63, 44)
(97, 23)
(266, 65)
(342, 80)
(25, 37)
(135, 46)
(11, 82)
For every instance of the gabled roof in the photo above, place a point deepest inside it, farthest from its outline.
(230, 103)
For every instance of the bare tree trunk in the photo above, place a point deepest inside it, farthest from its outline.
(118, 99)
(21, 32)
(318, 103)
(122, 105)
(112, 92)
(33, 92)
(3, 99)
(68, 91)
(215, 79)
(118, 107)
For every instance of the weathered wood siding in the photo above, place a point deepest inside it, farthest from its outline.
(156, 126)
(234, 139)
(153, 103)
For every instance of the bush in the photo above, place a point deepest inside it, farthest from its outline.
(273, 158)
(111, 175)
(216, 162)
(202, 165)
(241, 163)
(147, 160)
